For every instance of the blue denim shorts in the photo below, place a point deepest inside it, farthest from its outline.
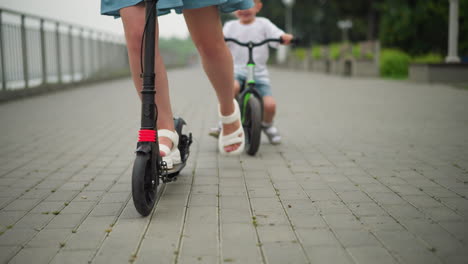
(261, 85)
(112, 7)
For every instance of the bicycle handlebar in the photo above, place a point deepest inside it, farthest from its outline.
(253, 44)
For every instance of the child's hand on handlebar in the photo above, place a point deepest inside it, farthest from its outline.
(286, 39)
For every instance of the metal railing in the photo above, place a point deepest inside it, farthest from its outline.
(38, 52)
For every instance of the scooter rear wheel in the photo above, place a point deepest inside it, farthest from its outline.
(144, 184)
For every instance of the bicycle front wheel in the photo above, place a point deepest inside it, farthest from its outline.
(252, 125)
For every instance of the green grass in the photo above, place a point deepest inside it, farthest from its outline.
(300, 53)
(317, 52)
(357, 51)
(428, 58)
(335, 51)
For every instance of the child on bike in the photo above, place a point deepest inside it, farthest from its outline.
(248, 27)
(204, 24)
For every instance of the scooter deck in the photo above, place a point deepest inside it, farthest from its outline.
(176, 169)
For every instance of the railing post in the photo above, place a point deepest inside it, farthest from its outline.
(59, 59)
(43, 53)
(452, 56)
(99, 54)
(25, 52)
(70, 53)
(92, 54)
(82, 52)
(2, 54)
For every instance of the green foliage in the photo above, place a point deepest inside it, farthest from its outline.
(369, 56)
(335, 51)
(428, 58)
(394, 63)
(300, 53)
(357, 51)
(317, 52)
(315, 21)
(416, 26)
(420, 26)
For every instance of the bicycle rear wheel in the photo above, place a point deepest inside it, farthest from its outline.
(252, 125)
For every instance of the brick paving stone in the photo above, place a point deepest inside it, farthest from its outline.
(65, 221)
(34, 221)
(343, 221)
(8, 218)
(332, 207)
(245, 252)
(48, 207)
(356, 238)
(387, 198)
(284, 252)
(61, 196)
(16, 237)
(354, 197)
(49, 238)
(78, 207)
(380, 223)
(115, 197)
(34, 255)
(121, 243)
(72, 257)
(313, 237)
(442, 214)
(366, 209)
(407, 248)
(7, 253)
(328, 255)
(107, 209)
(364, 255)
(21, 205)
(342, 179)
(457, 229)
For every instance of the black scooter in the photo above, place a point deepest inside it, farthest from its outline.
(149, 168)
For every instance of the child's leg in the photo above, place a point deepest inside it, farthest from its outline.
(205, 29)
(269, 109)
(133, 19)
(236, 87)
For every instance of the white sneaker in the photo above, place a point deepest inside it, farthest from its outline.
(273, 134)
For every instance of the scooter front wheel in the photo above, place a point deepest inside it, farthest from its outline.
(144, 184)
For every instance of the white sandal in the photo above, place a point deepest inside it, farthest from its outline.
(172, 156)
(233, 138)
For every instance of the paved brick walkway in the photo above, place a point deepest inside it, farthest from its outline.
(370, 171)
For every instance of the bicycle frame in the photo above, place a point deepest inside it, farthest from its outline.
(249, 88)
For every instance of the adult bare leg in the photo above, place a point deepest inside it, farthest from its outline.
(206, 31)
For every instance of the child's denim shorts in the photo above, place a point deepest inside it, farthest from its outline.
(112, 7)
(262, 85)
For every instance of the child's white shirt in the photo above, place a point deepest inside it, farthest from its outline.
(260, 29)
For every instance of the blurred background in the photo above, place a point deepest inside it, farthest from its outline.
(53, 43)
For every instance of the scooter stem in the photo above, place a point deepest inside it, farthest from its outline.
(149, 110)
